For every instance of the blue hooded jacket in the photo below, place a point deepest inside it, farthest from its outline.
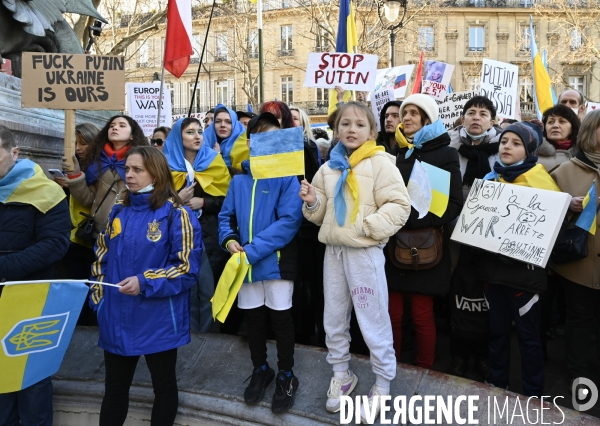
(263, 215)
(165, 256)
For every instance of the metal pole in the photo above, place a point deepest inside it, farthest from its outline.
(260, 52)
(392, 40)
(201, 57)
(162, 82)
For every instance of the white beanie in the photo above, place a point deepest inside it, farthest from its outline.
(425, 102)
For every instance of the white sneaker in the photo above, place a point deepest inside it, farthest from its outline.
(338, 387)
(373, 410)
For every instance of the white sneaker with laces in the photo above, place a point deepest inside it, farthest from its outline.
(372, 409)
(337, 388)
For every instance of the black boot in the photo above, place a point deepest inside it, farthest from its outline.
(458, 367)
(260, 379)
(285, 391)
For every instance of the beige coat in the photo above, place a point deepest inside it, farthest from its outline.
(550, 157)
(575, 177)
(91, 196)
(384, 204)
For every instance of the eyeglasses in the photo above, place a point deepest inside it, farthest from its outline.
(157, 142)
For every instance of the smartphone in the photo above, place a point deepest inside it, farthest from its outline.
(56, 173)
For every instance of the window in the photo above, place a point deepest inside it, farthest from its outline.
(321, 95)
(221, 50)
(575, 39)
(286, 41)
(321, 43)
(197, 47)
(426, 40)
(285, 4)
(253, 44)
(474, 84)
(525, 39)
(222, 89)
(577, 82)
(525, 90)
(287, 90)
(476, 39)
(477, 3)
(143, 54)
(526, 3)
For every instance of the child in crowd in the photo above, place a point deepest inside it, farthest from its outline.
(261, 219)
(359, 199)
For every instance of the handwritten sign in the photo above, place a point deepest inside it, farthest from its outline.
(199, 115)
(516, 221)
(378, 100)
(68, 81)
(436, 79)
(350, 71)
(500, 84)
(592, 106)
(142, 105)
(451, 107)
(396, 78)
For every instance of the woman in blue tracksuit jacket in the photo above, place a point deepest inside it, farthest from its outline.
(152, 250)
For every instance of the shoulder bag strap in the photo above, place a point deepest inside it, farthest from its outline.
(104, 198)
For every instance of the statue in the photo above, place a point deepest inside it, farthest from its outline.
(38, 26)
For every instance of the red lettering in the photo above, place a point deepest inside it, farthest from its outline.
(356, 60)
(333, 57)
(361, 76)
(318, 75)
(345, 58)
(350, 73)
(340, 74)
(327, 79)
(324, 64)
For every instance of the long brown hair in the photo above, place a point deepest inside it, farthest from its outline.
(586, 139)
(156, 164)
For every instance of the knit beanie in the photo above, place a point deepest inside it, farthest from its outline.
(425, 102)
(529, 133)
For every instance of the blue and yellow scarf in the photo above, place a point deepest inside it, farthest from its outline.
(233, 148)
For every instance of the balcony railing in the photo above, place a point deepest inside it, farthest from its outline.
(287, 52)
(253, 55)
(311, 107)
(489, 3)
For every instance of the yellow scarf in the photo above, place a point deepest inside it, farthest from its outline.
(229, 285)
(214, 180)
(401, 139)
(536, 177)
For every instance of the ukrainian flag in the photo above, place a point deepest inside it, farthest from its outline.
(542, 85)
(36, 325)
(440, 189)
(587, 218)
(346, 42)
(277, 154)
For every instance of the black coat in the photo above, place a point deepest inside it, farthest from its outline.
(494, 268)
(434, 281)
(31, 242)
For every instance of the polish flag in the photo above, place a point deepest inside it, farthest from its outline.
(178, 46)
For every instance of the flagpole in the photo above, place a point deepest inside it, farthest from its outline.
(212, 9)
(162, 82)
(260, 51)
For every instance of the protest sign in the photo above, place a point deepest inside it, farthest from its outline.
(451, 107)
(436, 79)
(516, 221)
(199, 115)
(396, 78)
(350, 71)
(592, 106)
(68, 81)
(142, 105)
(378, 100)
(500, 84)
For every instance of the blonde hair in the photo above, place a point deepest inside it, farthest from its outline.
(304, 120)
(365, 110)
(586, 138)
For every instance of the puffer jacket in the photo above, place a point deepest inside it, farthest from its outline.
(264, 216)
(165, 255)
(384, 204)
(550, 157)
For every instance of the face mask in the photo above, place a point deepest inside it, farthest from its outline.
(148, 188)
(481, 136)
(576, 111)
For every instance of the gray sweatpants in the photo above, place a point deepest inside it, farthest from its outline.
(356, 277)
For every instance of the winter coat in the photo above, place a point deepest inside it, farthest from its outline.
(164, 253)
(263, 215)
(434, 281)
(383, 201)
(575, 177)
(91, 196)
(550, 157)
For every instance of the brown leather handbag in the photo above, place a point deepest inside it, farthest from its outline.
(416, 249)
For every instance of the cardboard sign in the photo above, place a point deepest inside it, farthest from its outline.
(199, 115)
(516, 221)
(592, 106)
(378, 100)
(142, 105)
(68, 81)
(500, 84)
(350, 71)
(396, 78)
(452, 106)
(436, 79)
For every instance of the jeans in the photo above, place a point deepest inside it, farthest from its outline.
(201, 320)
(32, 406)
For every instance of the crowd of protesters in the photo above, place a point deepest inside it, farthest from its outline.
(169, 211)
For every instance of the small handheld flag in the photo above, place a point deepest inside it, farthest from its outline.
(277, 154)
(440, 189)
(587, 218)
(419, 189)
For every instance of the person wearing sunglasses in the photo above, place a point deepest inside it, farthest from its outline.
(159, 136)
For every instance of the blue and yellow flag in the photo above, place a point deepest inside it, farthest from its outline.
(277, 154)
(542, 85)
(229, 285)
(36, 325)
(587, 218)
(346, 42)
(440, 189)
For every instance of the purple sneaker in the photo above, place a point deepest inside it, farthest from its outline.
(337, 388)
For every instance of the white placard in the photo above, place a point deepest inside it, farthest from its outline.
(199, 115)
(516, 221)
(451, 107)
(142, 105)
(436, 79)
(396, 78)
(378, 100)
(592, 106)
(500, 84)
(350, 71)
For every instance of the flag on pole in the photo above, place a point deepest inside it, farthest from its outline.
(542, 85)
(587, 218)
(346, 42)
(178, 45)
(36, 325)
(277, 154)
(419, 76)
